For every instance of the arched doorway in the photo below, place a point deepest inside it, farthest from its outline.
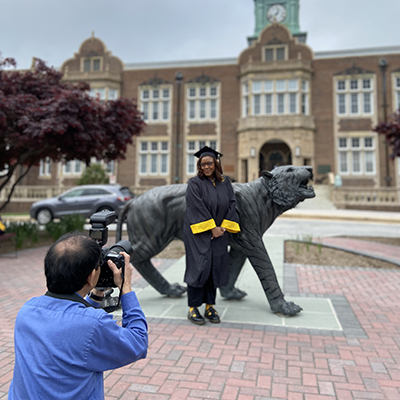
(274, 154)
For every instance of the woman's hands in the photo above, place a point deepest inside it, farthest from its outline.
(217, 231)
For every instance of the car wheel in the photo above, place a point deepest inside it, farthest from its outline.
(44, 216)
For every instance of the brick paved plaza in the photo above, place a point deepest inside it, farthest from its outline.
(233, 361)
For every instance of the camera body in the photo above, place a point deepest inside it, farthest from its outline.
(99, 232)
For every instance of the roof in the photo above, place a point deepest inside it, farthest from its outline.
(371, 51)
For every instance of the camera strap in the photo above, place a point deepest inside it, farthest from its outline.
(71, 297)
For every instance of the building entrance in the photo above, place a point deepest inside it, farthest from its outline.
(274, 154)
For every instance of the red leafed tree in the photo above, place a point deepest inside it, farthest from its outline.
(391, 129)
(41, 116)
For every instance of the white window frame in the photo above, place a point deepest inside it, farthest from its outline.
(98, 93)
(45, 168)
(271, 93)
(351, 93)
(153, 152)
(72, 166)
(202, 102)
(366, 155)
(155, 103)
(396, 91)
(274, 49)
(112, 94)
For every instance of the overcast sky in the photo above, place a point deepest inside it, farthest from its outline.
(170, 30)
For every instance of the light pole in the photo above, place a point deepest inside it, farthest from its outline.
(178, 82)
(383, 64)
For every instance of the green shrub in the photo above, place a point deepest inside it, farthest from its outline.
(69, 223)
(94, 174)
(24, 231)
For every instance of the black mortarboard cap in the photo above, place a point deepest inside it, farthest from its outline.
(208, 151)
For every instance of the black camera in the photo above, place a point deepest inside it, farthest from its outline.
(99, 232)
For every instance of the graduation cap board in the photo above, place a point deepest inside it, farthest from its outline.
(208, 151)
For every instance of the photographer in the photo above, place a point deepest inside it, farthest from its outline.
(62, 343)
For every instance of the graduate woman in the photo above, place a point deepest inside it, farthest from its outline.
(211, 213)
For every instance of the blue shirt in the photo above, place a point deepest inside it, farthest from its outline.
(63, 347)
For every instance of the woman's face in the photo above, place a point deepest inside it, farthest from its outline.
(207, 164)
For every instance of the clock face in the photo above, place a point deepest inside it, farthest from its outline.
(276, 13)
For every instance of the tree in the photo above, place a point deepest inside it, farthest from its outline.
(94, 174)
(391, 129)
(41, 116)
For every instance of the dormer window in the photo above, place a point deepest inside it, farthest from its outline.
(275, 53)
(92, 64)
(86, 65)
(280, 53)
(96, 64)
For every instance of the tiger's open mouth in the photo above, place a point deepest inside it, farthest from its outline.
(306, 187)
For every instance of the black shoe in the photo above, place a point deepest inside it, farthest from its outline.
(196, 317)
(212, 316)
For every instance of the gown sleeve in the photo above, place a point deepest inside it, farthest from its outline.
(197, 214)
(230, 222)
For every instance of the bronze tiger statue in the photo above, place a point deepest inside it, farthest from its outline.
(155, 218)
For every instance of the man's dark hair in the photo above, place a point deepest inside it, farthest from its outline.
(217, 172)
(69, 262)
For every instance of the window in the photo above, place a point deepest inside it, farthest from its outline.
(245, 100)
(356, 156)
(354, 97)
(281, 103)
(155, 104)
(304, 97)
(280, 85)
(341, 104)
(268, 104)
(192, 147)
(397, 92)
(202, 103)
(269, 55)
(86, 65)
(272, 53)
(110, 168)
(275, 97)
(112, 94)
(45, 167)
(257, 104)
(96, 65)
(91, 64)
(73, 167)
(354, 103)
(154, 158)
(280, 53)
(293, 103)
(98, 93)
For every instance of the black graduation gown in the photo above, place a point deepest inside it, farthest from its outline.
(208, 205)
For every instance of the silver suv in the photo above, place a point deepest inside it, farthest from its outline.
(83, 200)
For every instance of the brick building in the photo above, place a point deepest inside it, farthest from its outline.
(276, 103)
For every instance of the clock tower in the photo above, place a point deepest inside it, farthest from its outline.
(285, 12)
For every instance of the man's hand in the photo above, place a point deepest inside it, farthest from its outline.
(117, 274)
(217, 231)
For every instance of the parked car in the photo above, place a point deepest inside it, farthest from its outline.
(83, 200)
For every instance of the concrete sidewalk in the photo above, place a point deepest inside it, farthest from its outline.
(345, 344)
(344, 215)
